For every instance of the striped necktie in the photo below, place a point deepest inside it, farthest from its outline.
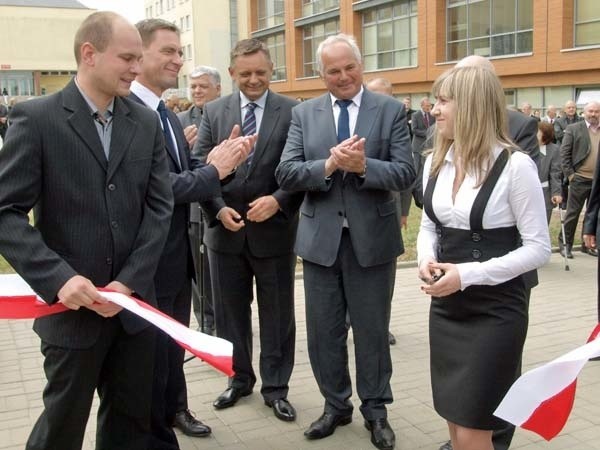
(249, 126)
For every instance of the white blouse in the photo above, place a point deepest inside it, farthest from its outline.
(517, 200)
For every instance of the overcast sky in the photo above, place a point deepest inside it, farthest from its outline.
(131, 9)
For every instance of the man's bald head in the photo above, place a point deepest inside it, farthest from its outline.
(476, 61)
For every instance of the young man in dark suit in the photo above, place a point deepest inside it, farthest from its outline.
(91, 164)
(190, 180)
(250, 232)
(348, 150)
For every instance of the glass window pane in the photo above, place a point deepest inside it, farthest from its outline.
(457, 23)
(503, 45)
(384, 13)
(503, 16)
(525, 42)
(403, 58)
(370, 62)
(369, 16)
(557, 96)
(332, 27)
(479, 19)
(413, 31)
(587, 10)
(413, 57)
(587, 34)
(525, 15)
(384, 38)
(402, 38)
(479, 47)
(530, 95)
(385, 60)
(457, 50)
(370, 40)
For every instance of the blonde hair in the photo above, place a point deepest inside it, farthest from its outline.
(480, 121)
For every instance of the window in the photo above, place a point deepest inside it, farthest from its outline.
(188, 22)
(587, 22)
(276, 44)
(312, 35)
(312, 7)
(181, 23)
(390, 35)
(270, 13)
(189, 51)
(488, 28)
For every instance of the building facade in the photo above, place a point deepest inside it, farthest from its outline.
(545, 51)
(37, 57)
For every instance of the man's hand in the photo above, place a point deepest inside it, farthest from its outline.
(589, 240)
(404, 222)
(349, 155)
(191, 135)
(262, 208)
(230, 153)
(230, 219)
(556, 199)
(78, 291)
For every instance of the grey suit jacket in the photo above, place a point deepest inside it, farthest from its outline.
(419, 130)
(366, 202)
(104, 220)
(275, 236)
(190, 117)
(550, 174)
(575, 148)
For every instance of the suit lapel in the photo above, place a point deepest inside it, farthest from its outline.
(179, 140)
(82, 122)
(123, 130)
(367, 115)
(324, 118)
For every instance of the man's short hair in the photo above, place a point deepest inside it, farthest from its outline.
(213, 74)
(248, 47)
(97, 29)
(147, 28)
(345, 38)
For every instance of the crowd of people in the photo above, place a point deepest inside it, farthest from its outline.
(211, 206)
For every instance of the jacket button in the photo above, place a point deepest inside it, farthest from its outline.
(476, 254)
(114, 224)
(111, 187)
(340, 213)
(476, 237)
(109, 261)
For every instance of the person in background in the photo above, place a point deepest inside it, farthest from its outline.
(347, 151)
(205, 86)
(549, 169)
(579, 152)
(570, 116)
(483, 227)
(98, 221)
(172, 103)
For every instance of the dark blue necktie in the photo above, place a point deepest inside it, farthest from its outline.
(171, 147)
(343, 131)
(249, 126)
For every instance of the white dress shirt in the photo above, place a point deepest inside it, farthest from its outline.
(517, 200)
(352, 110)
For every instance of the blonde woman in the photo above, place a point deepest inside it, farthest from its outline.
(485, 225)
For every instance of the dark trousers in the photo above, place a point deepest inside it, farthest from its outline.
(120, 366)
(202, 291)
(579, 191)
(232, 277)
(169, 392)
(366, 294)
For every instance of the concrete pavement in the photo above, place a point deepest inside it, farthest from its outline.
(562, 314)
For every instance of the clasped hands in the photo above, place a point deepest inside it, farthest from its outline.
(348, 156)
(79, 291)
(230, 153)
(261, 209)
(441, 279)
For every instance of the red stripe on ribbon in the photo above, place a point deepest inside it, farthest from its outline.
(550, 417)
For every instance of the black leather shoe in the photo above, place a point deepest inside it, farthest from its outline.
(325, 425)
(189, 425)
(391, 338)
(569, 252)
(282, 409)
(589, 251)
(230, 397)
(382, 435)
(446, 446)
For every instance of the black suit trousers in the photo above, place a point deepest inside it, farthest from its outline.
(120, 366)
(232, 276)
(366, 294)
(169, 392)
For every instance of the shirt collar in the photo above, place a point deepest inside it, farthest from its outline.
(356, 99)
(145, 94)
(93, 108)
(589, 126)
(260, 102)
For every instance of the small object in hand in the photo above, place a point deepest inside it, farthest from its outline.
(436, 277)
(237, 219)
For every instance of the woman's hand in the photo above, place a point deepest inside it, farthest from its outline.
(442, 279)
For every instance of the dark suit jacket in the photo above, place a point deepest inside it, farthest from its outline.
(550, 174)
(367, 203)
(194, 181)
(575, 148)
(560, 125)
(275, 236)
(102, 220)
(419, 130)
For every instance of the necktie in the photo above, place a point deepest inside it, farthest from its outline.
(249, 126)
(343, 131)
(426, 115)
(171, 147)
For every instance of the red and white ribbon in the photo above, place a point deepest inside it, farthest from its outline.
(19, 301)
(541, 400)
